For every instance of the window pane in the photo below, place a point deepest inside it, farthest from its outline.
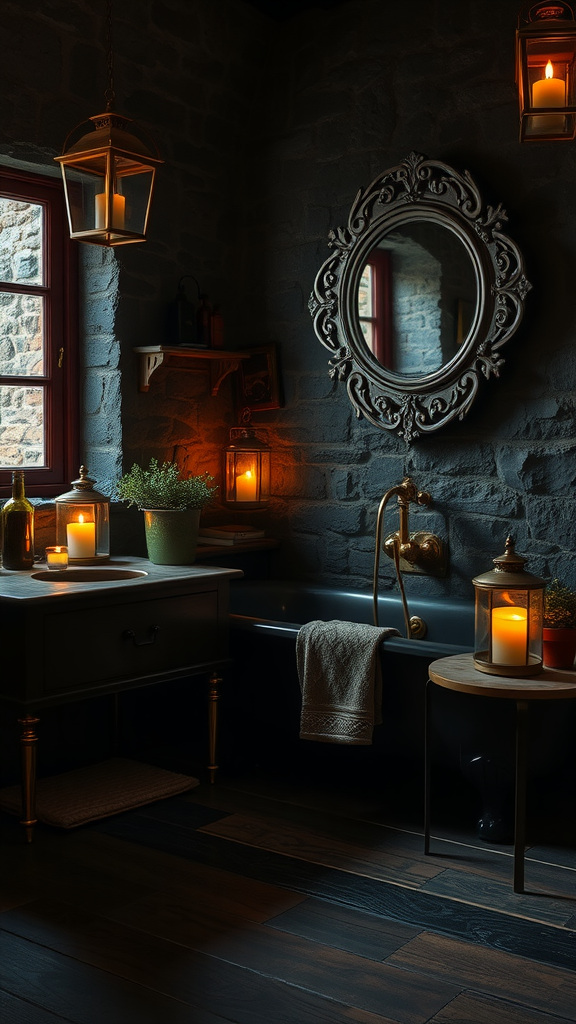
(21, 427)
(21, 242)
(368, 332)
(21, 330)
(365, 292)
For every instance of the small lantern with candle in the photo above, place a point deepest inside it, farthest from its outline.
(509, 614)
(545, 71)
(246, 469)
(83, 522)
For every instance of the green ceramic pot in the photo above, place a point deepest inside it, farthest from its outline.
(172, 536)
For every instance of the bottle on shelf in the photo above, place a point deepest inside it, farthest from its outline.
(217, 329)
(204, 322)
(18, 527)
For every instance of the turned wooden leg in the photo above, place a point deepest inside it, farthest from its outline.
(28, 742)
(213, 698)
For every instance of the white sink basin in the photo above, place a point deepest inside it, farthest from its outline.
(87, 575)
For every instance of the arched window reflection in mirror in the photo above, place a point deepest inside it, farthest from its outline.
(419, 295)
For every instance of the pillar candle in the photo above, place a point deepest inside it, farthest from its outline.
(509, 635)
(246, 486)
(118, 210)
(81, 538)
(549, 92)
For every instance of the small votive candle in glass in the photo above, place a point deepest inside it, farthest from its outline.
(57, 557)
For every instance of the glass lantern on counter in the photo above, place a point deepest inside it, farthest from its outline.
(509, 616)
(83, 522)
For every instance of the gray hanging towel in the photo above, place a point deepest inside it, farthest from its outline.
(340, 679)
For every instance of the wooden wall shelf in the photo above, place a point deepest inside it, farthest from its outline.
(218, 362)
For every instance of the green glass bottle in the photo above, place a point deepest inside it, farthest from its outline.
(18, 527)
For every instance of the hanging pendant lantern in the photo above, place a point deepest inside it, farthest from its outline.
(509, 617)
(246, 469)
(108, 175)
(545, 71)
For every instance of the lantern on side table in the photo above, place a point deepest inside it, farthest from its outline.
(509, 613)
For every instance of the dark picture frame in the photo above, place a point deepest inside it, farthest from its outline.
(258, 380)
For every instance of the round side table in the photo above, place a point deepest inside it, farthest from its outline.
(458, 673)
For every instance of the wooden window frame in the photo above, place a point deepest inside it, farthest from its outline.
(381, 298)
(60, 379)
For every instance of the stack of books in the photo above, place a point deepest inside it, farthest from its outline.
(227, 535)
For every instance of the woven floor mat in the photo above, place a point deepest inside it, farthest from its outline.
(98, 791)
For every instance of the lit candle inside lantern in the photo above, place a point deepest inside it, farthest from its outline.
(549, 92)
(509, 636)
(81, 538)
(118, 210)
(57, 557)
(246, 486)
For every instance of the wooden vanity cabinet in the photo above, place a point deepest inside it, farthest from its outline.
(72, 641)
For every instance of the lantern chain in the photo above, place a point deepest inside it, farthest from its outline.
(109, 94)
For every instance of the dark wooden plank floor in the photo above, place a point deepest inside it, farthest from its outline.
(258, 904)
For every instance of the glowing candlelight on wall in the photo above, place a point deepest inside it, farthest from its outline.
(509, 636)
(246, 484)
(81, 538)
(118, 210)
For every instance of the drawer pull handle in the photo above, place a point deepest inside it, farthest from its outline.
(131, 635)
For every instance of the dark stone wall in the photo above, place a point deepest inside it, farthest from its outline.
(355, 91)
(267, 130)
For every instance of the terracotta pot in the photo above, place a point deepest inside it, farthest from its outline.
(558, 647)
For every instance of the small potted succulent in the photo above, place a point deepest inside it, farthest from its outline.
(559, 633)
(172, 504)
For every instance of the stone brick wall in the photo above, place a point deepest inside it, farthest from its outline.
(267, 130)
(21, 332)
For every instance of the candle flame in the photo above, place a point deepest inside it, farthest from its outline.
(248, 473)
(80, 518)
(549, 70)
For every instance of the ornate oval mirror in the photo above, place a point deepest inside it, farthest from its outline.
(421, 291)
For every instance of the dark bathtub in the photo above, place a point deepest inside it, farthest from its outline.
(473, 739)
(280, 609)
(265, 617)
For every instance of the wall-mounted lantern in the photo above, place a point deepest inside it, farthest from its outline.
(83, 522)
(545, 71)
(108, 175)
(246, 469)
(509, 615)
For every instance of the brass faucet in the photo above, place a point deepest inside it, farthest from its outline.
(420, 552)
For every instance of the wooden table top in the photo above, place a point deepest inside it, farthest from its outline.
(458, 673)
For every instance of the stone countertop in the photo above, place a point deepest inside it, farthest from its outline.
(22, 586)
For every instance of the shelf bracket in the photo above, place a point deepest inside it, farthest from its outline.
(149, 361)
(220, 369)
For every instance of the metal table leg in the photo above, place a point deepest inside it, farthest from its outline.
(520, 793)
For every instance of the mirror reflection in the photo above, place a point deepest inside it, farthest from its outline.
(417, 298)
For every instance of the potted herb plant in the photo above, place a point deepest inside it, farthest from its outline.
(172, 504)
(559, 633)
